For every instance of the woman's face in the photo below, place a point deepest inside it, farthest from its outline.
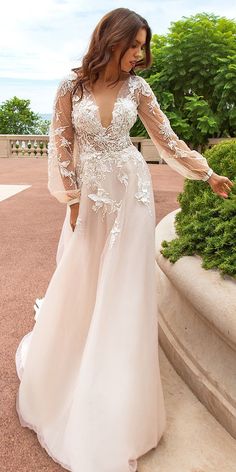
(134, 53)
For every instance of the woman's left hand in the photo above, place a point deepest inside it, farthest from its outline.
(220, 184)
(74, 211)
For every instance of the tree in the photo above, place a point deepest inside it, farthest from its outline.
(16, 117)
(193, 76)
(42, 126)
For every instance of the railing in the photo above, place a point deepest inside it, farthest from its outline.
(213, 141)
(37, 146)
(12, 145)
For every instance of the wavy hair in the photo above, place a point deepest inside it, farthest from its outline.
(118, 26)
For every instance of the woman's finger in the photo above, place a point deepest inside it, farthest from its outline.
(221, 193)
(228, 182)
(225, 187)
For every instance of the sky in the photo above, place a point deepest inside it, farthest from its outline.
(40, 42)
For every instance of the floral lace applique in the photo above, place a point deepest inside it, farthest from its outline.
(102, 200)
(143, 194)
(153, 106)
(123, 178)
(146, 90)
(63, 181)
(67, 84)
(174, 151)
(66, 172)
(110, 150)
(116, 228)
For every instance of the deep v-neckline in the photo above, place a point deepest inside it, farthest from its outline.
(114, 105)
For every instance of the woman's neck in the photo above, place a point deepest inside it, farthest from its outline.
(109, 75)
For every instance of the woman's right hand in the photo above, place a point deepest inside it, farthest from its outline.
(220, 184)
(74, 211)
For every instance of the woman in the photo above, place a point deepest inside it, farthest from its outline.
(90, 382)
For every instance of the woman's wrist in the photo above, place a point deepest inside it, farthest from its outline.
(213, 177)
(73, 202)
(209, 173)
(75, 207)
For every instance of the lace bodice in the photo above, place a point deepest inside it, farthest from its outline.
(82, 150)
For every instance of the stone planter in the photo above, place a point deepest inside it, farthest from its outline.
(197, 327)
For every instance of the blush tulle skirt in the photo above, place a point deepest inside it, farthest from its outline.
(90, 383)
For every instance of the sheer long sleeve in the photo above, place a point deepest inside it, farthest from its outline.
(175, 152)
(63, 181)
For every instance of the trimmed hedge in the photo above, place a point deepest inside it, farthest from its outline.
(206, 224)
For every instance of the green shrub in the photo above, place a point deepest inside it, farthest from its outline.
(206, 224)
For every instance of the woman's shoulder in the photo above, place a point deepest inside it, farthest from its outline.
(67, 83)
(140, 87)
(138, 82)
(143, 84)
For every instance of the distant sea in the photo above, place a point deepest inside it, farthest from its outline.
(46, 116)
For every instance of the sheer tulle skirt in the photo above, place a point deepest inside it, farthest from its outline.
(90, 381)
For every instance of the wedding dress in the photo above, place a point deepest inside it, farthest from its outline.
(90, 381)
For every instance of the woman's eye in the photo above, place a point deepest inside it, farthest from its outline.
(136, 46)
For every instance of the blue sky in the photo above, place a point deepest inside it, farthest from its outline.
(40, 42)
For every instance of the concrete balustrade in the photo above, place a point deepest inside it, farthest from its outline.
(197, 327)
(23, 145)
(37, 146)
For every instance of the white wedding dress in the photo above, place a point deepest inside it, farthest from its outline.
(90, 381)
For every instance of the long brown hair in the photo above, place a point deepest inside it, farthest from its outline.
(117, 26)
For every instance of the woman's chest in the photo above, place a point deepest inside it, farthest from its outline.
(92, 117)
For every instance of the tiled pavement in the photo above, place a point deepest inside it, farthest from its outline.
(30, 225)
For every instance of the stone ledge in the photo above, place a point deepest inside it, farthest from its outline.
(193, 441)
(198, 327)
(221, 313)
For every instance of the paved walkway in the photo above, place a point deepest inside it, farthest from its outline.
(31, 222)
(7, 191)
